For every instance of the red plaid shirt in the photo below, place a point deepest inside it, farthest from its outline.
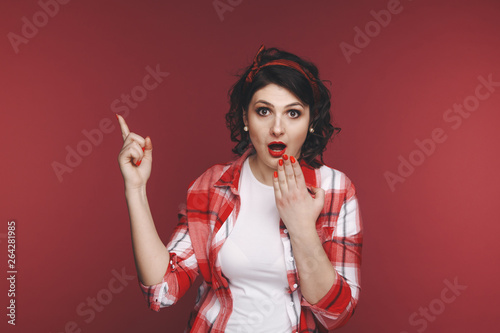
(212, 207)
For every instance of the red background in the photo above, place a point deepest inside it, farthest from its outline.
(440, 223)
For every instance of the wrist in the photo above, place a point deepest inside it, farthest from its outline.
(135, 190)
(304, 234)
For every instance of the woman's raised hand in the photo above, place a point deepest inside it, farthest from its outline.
(135, 158)
(297, 207)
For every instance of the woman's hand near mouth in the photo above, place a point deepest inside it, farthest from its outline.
(298, 209)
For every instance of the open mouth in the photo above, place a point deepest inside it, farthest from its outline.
(276, 149)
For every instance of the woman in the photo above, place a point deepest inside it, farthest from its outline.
(243, 218)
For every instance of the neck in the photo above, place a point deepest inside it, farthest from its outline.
(262, 172)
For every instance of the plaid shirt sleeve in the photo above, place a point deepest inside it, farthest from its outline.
(181, 272)
(342, 242)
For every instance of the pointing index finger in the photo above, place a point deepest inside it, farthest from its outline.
(123, 126)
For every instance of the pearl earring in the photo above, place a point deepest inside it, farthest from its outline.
(311, 130)
(245, 128)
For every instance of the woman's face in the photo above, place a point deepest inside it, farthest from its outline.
(277, 122)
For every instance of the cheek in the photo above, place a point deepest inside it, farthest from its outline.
(299, 142)
(300, 136)
(254, 136)
(256, 131)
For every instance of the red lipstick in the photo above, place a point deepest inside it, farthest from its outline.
(276, 148)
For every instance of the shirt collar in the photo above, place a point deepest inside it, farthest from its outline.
(231, 177)
(309, 175)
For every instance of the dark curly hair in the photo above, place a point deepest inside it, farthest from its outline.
(242, 92)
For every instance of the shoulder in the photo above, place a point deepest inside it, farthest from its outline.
(221, 175)
(331, 179)
(211, 176)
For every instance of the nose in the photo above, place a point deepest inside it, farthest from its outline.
(277, 128)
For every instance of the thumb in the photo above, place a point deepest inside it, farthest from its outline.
(319, 194)
(148, 147)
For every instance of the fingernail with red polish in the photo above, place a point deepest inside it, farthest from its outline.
(292, 159)
(276, 174)
(285, 157)
(116, 114)
(143, 148)
(138, 163)
(280, 162)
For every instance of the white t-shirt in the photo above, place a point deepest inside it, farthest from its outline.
(252, 260)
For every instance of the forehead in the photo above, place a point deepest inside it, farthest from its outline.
(276, 95)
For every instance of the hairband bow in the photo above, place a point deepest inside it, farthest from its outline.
(255, 67)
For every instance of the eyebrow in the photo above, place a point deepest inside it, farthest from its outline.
(270, 104)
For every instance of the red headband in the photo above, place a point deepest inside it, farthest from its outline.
(281, 62)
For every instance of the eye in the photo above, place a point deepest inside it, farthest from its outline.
(262, 111)
(294, 113)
